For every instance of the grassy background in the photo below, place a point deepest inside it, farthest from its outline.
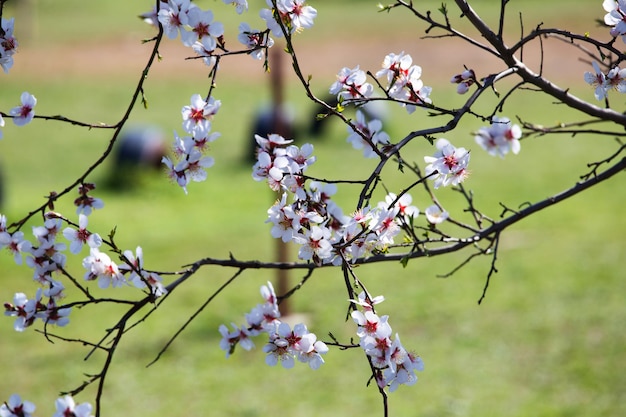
(548, 340)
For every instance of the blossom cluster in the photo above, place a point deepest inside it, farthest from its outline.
(196, 26)
(189, 150)
(285, 345)
(317, 224)
(65, 407)
(616, 17)
(615, 79)
(499, 138)
(46, 257)
(393, 364)
(403, 83)
(8, 43)
(205, 36)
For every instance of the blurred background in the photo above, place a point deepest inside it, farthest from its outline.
(547, 341)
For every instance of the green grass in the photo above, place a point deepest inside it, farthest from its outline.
(547, 341)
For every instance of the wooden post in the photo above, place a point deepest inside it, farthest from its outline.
(282, 127)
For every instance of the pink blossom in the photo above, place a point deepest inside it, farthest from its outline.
(202, 27)
(616, 17)
(295, 15)
(366, 302)
(15, 407)
(81, 236)
(597, 80)
(24, 113)
(23, 309)
(65, 407)
(403, 204)
(448, 166)
(198, 115)
(351, 85)
(8, 44)
(499, 138)
(173, 16)
(255, 40)
(16, 244)
(435, 215)
(99, 266)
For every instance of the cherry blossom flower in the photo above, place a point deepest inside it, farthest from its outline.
(385, 225)
(8, 44)
(616, 17)
(139, 277)
(281, 215)
(294, 14)
(205, 48)
(66, 407)
(45, 259)
(616, 79)
(598, 81)
(255, 40)
(53, 315)
(173, 16)
(403, 204)
(198, 115)
(371, 326)
(272, 169)
(449, 162)
(404, 81)
(499, 138)
(24, 113)
(366, 302)
(395, 67)
(315, 244)
(435, 215)
(351, 85)
(79, 237)
(269, 295)
(16, 244)
(23, 309)
(402, 366)
(99, 266)
(15, 407)
(272, 142)
(49, 230)
(313, 355)
(230, 339)
(202, 27)
(177, 172)
(192, 163)
(240, 5)
(278, 351)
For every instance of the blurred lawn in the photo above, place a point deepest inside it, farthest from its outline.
(548, 340)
